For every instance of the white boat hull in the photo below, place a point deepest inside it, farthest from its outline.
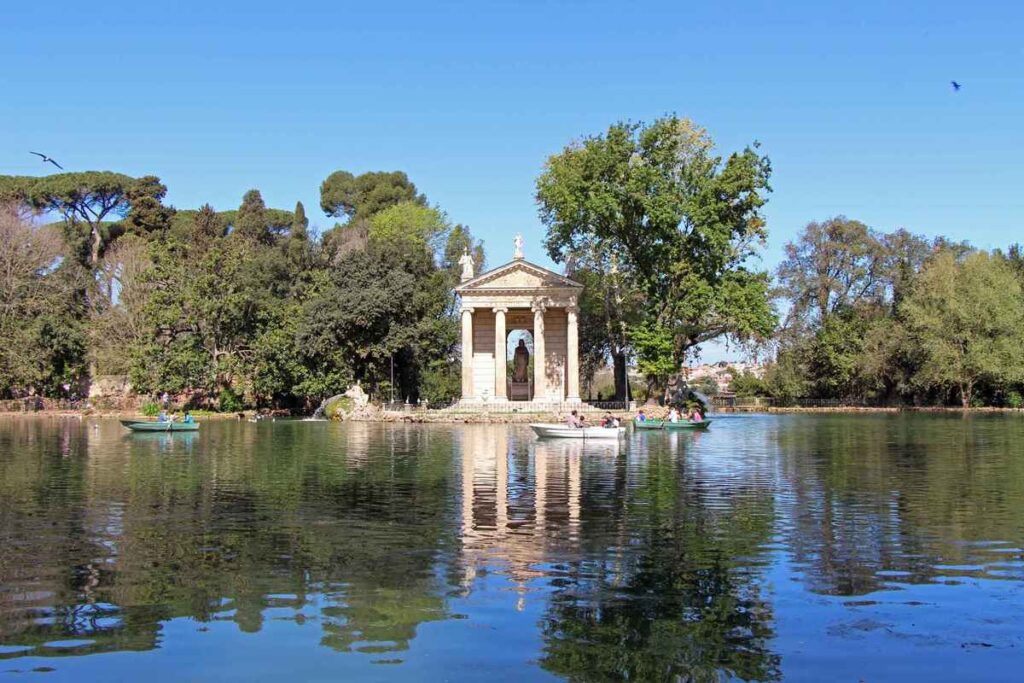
(561, 431)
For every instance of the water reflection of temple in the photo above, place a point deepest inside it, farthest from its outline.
(520, 501)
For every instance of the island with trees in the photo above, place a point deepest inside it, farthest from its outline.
(249, 308)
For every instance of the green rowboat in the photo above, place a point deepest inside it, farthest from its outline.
(154, 426)
(683, 424)
(649, 424)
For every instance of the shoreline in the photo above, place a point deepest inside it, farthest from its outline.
(485, 417)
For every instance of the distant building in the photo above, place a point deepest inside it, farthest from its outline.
(722, 372)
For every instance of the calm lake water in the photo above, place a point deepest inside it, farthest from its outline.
(804, 548)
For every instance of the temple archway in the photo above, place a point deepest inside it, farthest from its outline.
(519, 379)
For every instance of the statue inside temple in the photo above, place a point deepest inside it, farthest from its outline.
(520, 362)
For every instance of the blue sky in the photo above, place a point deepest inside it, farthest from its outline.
(851, 102)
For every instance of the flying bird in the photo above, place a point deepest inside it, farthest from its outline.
(956, 86)
(46, 158)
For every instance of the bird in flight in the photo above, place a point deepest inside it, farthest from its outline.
(956, 86)
(46, 158)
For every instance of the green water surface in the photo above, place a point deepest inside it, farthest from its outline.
(806, 548)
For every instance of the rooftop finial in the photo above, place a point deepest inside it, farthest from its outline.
(517, 252)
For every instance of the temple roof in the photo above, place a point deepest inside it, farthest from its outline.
(517, 275)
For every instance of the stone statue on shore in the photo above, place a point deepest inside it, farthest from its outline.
(520, 363)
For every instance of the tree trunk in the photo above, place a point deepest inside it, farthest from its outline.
(96, 239)
(619, 374)
(965, 395)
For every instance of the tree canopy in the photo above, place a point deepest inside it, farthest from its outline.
(343, 195)
(680, 221)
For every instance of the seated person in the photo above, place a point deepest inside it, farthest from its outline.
(640, 417)
(162, 417)
(573, 420)
(673, 415)
(188, 418)
(608, 420)
(695, 416)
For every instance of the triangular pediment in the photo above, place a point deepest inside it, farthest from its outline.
(517, 275)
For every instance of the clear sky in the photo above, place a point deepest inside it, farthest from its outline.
(851, 101)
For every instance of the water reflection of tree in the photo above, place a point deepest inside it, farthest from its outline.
(873, 496)
(246, 524)
(679, 598)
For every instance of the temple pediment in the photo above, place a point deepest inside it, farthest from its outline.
(518, 275)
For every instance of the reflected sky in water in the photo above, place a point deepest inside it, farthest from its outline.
(874, 547)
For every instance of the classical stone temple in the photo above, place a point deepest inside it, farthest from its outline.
(519, 296)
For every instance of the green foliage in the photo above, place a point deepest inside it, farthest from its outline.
(896, 317)
(237, 307)
(422, 226)
(150, 409)
(300, 223)
(251, 222)
(831, 356)
(42, 332)
(441, 382)
(85, 200)
(968, 320)
(653, 347)
(346, 196)
(747, 383)
(230, 401)
(147, 213)
(705, 385)
(832, 266)
(207, 225)
(680, 221)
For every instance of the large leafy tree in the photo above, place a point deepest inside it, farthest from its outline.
(42, 339)
(968, 319)
(682, 221)
(833, 265)
(343, 195)
(251, 220)
(90, 203)
(148, 214)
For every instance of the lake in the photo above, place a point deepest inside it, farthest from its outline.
(776, 547)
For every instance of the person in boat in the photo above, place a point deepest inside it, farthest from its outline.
(574, 420)
(640, 417)
(673, 415)
(188, 418)
(695, 415)
(162, 417)
(608, 420)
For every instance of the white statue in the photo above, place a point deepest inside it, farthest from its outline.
(466, 261)
(517, 252)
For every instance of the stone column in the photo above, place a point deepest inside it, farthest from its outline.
(540, 380)
(467, 354)
(573, 354)
(500, 353)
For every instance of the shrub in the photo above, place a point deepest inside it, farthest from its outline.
(229, 401)
(150, 409)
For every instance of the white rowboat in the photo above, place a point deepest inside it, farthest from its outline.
(561, 431)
